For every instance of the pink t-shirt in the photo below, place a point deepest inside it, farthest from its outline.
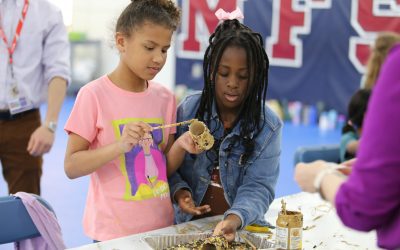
(130, 194)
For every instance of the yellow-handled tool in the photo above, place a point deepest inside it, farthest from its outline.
(255, 228)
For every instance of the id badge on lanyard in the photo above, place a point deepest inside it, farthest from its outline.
(17, 102)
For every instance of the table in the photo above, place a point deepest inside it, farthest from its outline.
(322, 229)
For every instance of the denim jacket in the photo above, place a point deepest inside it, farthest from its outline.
(249, 187)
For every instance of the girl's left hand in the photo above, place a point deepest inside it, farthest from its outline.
(228, 227)
(186, 142)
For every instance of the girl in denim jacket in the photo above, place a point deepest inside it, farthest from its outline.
(237, 177)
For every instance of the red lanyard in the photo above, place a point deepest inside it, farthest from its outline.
(11, 48)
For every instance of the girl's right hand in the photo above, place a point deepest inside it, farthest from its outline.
(131, 134)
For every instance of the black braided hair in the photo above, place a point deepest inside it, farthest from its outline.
(356, 110)
(233, 33)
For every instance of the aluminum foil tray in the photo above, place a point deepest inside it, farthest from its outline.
(160, 242)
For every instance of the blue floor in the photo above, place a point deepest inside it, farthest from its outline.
(68, 196)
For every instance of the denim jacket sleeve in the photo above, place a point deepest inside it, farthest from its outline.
(175, 183)
(257, 190)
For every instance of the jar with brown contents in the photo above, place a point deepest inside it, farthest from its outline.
(289, 229)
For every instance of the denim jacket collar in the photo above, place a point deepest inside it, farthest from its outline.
(235, 130)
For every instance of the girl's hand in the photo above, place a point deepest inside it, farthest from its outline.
(186, 142)
(185, 201)
(228, 227)
(305, 174)
(131, 134)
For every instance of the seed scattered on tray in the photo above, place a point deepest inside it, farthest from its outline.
(213, 242)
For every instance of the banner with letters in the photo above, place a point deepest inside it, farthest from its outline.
(317, 48)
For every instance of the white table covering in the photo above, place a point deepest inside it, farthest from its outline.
(323, 229)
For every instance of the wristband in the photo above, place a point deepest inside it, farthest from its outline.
(331, 168)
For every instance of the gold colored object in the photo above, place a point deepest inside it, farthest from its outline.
(201, 135)
(289, 229)
(215, 242)
(198, 131)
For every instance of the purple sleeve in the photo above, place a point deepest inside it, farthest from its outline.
(370, 197)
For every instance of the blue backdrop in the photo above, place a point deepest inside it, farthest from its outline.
(317, 48)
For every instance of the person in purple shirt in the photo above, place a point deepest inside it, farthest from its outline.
(369, 199)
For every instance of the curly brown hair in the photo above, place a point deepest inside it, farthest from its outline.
(161, 12)
(383, 43)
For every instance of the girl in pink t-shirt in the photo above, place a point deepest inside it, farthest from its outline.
(110, 129)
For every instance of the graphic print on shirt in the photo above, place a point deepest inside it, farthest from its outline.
(144, 167)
